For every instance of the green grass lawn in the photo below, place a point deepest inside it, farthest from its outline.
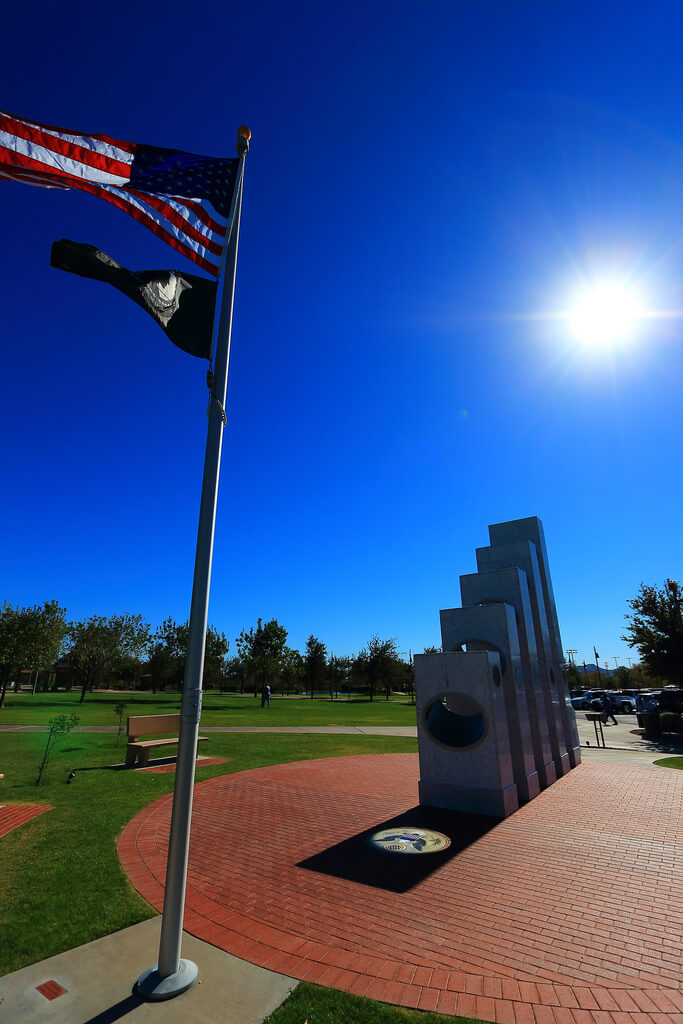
(61, 884)
(313, 1004)
(671, 762)
(98, 709)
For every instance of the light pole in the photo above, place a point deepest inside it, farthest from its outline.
(616, 663)
(571, 652)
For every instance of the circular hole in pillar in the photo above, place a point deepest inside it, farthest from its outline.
(455, 720)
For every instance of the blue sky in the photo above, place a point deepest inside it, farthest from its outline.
(429, 184)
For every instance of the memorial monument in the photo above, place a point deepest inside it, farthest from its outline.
(494, 721)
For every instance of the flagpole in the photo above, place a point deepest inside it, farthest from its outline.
(173, 975)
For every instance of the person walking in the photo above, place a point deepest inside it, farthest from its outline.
(607, 710)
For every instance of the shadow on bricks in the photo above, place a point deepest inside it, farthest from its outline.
(356, 860)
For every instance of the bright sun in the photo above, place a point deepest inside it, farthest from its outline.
(604, 315)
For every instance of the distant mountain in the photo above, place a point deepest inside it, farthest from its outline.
(594, 668)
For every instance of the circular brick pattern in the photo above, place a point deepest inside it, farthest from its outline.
(569, 910)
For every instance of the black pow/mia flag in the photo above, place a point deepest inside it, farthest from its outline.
(182, 304)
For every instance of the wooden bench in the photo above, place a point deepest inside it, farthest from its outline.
(150, 725)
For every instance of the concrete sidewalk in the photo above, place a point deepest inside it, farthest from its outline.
(93, 984)
(623, 742)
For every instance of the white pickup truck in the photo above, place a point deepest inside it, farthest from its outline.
(624, 702)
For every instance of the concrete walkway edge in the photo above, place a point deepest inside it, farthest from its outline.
(93, 984)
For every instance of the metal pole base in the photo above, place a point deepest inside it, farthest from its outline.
(151, 986)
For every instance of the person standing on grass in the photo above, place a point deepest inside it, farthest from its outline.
(267, 694)
(607, 710)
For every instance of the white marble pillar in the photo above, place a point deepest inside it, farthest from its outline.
(532, 529)
(510, 586)
(492, 627)
(522, 555)
(463, 739)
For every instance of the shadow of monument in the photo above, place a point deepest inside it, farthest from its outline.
(357, 861)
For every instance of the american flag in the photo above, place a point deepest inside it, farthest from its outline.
(183, 198)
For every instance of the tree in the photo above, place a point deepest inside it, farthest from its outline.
(573, 676)
(338, 670)
(10, 646)
(383, 665)
(168, 650)
(234, 675)
(118, 711)
(291, 670)
(130, 672)
(359, 671)
(57, 729)
(29, 638)
(315, 664)
(621, 678)
(262, 651)
(43, 629)
(656, 629)
(215, 654)
(101, 645)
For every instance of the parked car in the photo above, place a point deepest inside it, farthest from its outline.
(648, 700)
(584, 701)
(671, 699)
(624, 703)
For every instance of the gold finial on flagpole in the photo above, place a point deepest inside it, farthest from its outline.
(243, 137)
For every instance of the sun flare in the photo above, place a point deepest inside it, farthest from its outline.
(605, 315)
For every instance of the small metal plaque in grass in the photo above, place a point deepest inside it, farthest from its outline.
(409, 840)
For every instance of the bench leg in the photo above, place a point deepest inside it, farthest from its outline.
(144, 757)
(130, 757)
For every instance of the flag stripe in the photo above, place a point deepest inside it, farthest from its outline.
(130, 205)
(181, 197)
(204, 212)
(31, 177)
(191, 211)
(118, 149)
(138, 205)
(169, 209)
(64, 158)
(25, 166)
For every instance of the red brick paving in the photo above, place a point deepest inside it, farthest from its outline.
(568, 912)
(14, 815)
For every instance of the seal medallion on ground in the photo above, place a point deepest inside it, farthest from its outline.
(409, 840)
